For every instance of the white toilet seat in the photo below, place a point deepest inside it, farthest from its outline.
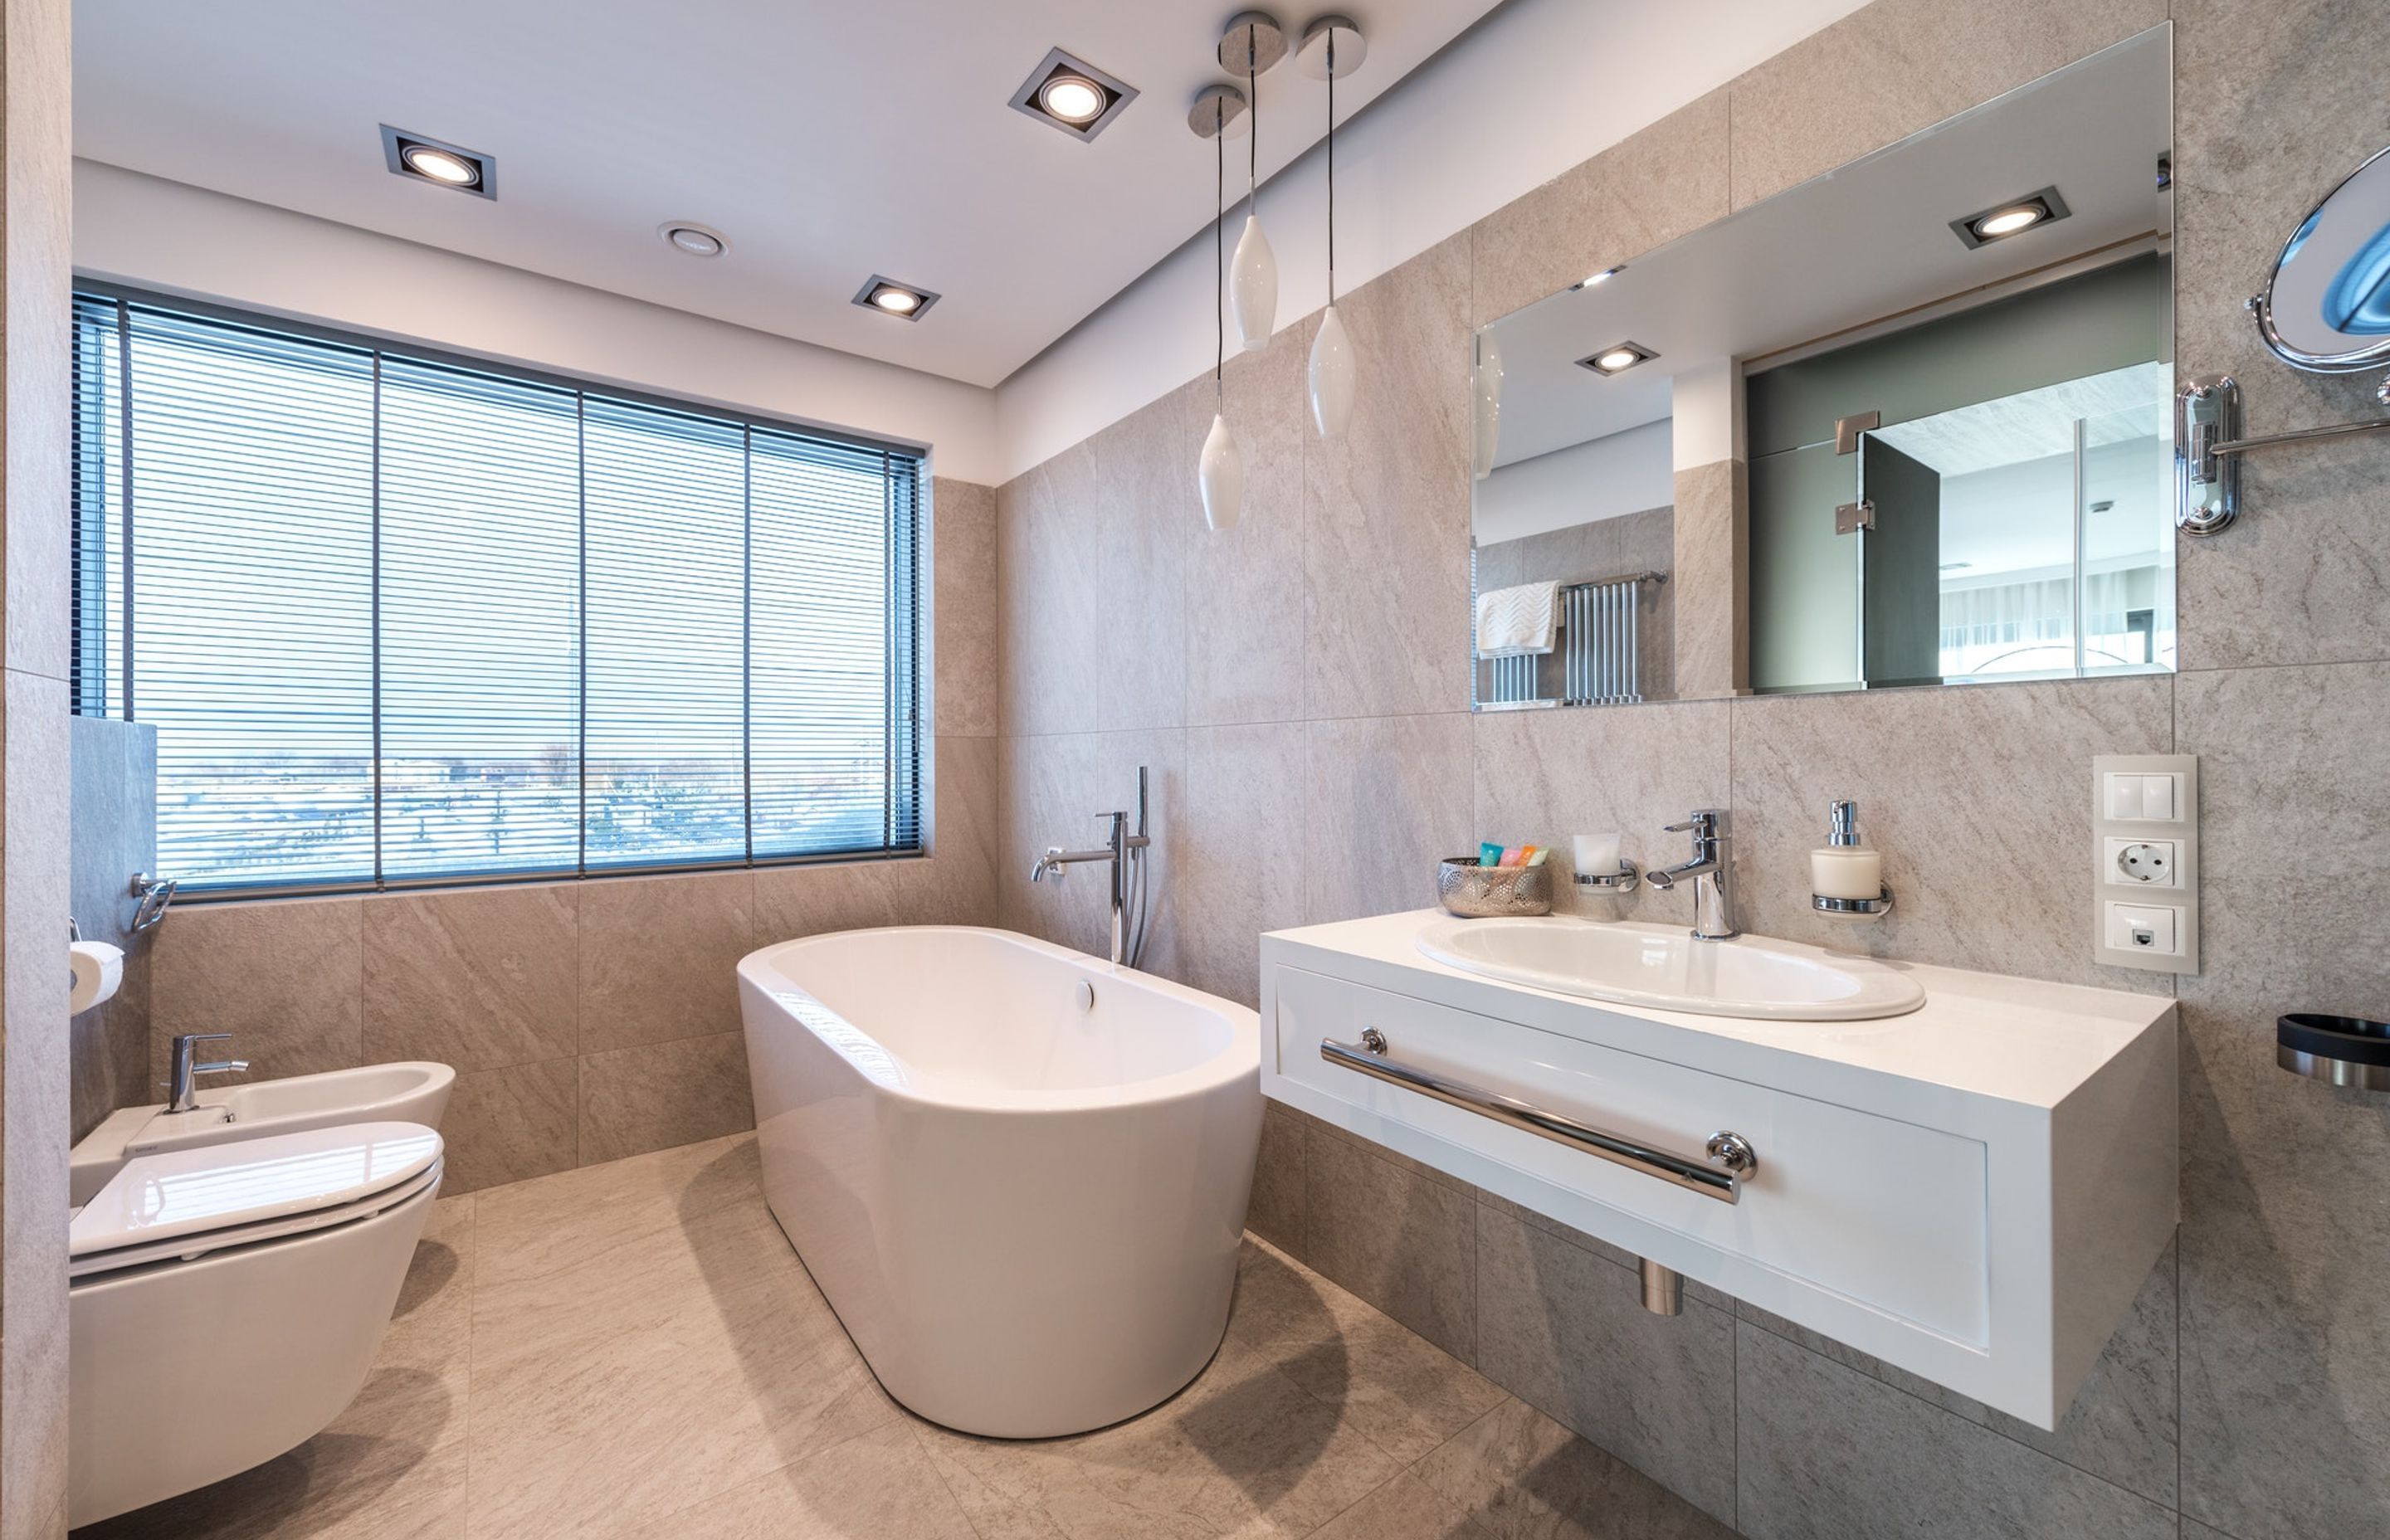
(184, 1203)
(227, 1300)
(192, 1249)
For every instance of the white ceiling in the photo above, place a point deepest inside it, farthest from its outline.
(1866, 241)
(827, 142)
(2113, 407)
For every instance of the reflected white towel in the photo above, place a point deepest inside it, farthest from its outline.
(1515, 622)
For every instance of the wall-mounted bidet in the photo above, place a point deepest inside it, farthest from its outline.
(225, 1302)
(411, 1091)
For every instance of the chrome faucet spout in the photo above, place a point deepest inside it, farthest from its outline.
(1711, 871)
(181, 1087)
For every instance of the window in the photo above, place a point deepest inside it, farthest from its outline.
(400, 619)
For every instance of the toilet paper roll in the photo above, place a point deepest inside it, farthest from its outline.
(98, 969)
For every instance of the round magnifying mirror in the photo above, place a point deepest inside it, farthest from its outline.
(2327, 306)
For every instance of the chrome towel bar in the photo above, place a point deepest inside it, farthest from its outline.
(1730, 1155)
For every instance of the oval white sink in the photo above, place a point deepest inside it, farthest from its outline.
(1651, 965)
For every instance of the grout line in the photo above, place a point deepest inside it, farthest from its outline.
(922, 1446)
(654, 1043)
(1990, 1428)
(1400, 1471)
(2287, 663)
(472, 1330)
(1734, 1408)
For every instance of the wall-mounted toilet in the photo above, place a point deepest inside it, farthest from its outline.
(227, 1302)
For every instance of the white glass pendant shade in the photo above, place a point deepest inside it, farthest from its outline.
(1488, 404)
(1333, 376)
(1253, 287)
(1221, 475)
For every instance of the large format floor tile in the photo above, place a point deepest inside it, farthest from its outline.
(634, 1352)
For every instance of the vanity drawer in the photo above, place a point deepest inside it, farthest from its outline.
(1887, 1213)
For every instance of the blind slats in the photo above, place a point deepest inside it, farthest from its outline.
(398, 619)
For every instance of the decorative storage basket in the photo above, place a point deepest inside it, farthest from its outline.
(1473, 891)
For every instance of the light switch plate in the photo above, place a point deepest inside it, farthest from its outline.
(2145, 800)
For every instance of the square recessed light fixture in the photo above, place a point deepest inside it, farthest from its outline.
(2012, 218)
(423, 158)
(1617, 359)
(1072, 96)
(891, 298)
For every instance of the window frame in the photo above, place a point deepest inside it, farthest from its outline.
(906, 733)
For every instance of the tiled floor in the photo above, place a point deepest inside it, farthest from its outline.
(632, 1352)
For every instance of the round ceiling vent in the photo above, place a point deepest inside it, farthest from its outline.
(698, 240)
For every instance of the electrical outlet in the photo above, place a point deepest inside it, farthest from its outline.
(2151, 928)
(2147, 863)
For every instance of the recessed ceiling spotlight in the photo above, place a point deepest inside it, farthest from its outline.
(891, 298)
(2012, 218)
(1618, 359)
(1072, 98)
(1072, 94)
(442, 165)
(698, 240)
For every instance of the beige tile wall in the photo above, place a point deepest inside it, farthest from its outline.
(2241, 1397)
(35, 1063)
(589, 1021)
(114, 828)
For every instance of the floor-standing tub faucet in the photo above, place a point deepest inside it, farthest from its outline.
(1126, 853)
(1711, 870)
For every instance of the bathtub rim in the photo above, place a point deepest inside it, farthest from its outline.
(1241, 1059)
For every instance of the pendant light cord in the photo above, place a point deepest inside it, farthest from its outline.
(1331, 162)
(1254, 105)
(1220, 259)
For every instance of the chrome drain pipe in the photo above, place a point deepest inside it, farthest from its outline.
(1663, 1289)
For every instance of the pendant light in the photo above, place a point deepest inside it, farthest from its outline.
(1486, 405)
(1220, 469)
(1254, 43)
(1330, 45)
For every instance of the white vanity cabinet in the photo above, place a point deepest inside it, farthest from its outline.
(1975, 1191)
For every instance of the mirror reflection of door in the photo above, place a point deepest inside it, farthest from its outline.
(1900, 567)
(2019, 481)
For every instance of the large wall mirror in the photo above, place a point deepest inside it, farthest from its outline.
(1937, 382)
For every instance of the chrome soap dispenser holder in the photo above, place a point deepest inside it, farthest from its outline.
(1844, 833)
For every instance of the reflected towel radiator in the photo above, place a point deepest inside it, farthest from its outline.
(1514, 679)
(1600, 647)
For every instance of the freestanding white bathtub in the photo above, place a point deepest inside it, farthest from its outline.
(1017, 1172)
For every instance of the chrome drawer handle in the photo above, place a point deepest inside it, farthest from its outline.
(1730, 1155)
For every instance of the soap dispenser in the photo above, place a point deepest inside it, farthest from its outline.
(1846, 877)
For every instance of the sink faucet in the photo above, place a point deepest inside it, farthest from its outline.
(184, 1094)
(1711, 870)
(1123, 850)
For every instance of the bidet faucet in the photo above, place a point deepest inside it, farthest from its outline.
(1711, 870)
(183, 1091)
